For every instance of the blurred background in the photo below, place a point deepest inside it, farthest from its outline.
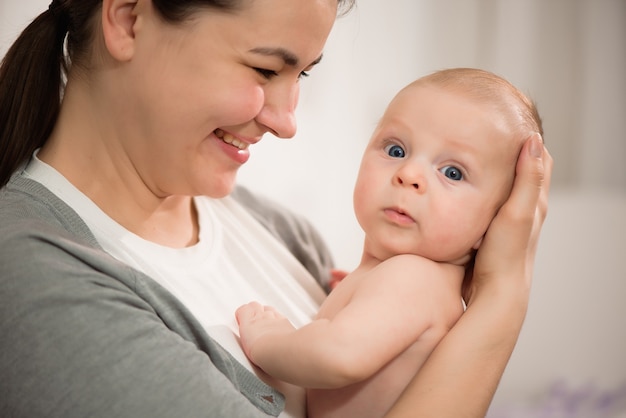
(570, 57)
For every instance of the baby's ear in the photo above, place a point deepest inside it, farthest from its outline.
(480, 240)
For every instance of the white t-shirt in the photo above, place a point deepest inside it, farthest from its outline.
(235, 261)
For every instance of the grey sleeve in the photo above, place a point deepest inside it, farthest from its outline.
(298, 234)
(78, 341)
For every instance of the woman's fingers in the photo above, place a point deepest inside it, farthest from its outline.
(510, 242)
(520, 208)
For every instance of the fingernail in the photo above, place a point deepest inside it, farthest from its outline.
(536, 146)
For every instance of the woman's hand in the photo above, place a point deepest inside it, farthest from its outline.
(507, 254)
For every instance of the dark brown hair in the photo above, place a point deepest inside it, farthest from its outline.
(33, 71)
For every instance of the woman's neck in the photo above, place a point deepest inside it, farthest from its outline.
(96, 164)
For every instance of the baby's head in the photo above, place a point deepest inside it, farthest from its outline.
(516, 112)
(441, 163)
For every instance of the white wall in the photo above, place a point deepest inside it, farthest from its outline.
(570, 56)
(14, 16)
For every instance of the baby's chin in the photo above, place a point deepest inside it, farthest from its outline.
(462, 261)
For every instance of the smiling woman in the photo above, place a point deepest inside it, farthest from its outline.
(128, 159)
(125, 245)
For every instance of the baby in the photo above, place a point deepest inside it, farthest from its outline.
(438, 167)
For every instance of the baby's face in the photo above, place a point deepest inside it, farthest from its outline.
(435, 172)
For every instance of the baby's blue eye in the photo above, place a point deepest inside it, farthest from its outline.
(452, 173)
(395, 151)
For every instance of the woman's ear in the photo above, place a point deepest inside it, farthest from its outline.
(118, 27)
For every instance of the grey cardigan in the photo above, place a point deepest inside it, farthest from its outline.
(83, 335)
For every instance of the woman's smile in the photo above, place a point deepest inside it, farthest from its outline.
(233, 147)
(230, 139)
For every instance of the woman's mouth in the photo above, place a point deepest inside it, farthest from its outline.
(231, 140)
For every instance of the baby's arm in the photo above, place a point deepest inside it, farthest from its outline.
(271, 342)
(387, 313)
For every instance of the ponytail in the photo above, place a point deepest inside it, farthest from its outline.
(30, 89)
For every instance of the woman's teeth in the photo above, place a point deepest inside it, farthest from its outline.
(231, 140)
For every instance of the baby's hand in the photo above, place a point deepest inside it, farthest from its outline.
(336, 276)
(257, 322)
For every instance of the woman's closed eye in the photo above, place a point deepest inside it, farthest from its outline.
(267, 74)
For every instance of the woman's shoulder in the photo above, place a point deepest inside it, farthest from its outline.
(38, 230)
(27, 206)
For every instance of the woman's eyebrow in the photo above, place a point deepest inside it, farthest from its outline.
(288, 57)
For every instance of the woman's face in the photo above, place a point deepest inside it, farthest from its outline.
(198, 95)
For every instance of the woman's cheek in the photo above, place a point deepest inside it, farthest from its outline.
(243, 104)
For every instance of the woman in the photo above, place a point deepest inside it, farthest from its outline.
(124, 252)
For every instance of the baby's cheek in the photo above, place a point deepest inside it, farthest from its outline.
(470, 226)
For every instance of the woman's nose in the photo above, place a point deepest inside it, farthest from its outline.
(278, 112)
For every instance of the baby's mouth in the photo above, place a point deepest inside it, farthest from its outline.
(231, 140)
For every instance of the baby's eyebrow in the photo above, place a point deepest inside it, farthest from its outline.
(288, 57)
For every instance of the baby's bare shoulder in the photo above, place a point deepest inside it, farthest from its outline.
(421, 279)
